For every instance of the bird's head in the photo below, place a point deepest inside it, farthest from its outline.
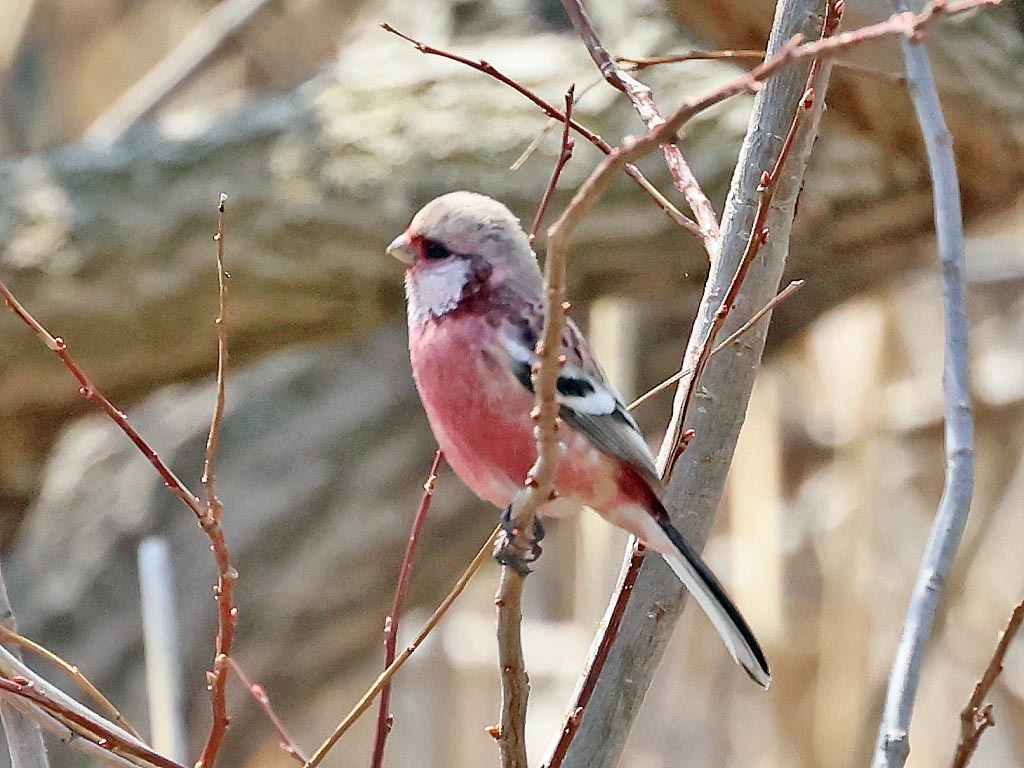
(464, 246)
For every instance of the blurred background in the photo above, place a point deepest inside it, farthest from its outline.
(120, 123)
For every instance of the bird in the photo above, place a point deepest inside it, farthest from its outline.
(474, 300)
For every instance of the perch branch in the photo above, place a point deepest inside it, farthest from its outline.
(384, 717)
(540, 487)
(893, 744)
(976, 716)
(367, 698)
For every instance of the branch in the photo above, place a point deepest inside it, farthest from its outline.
(893, 744)
(643, 100)
(367, 698)
(564, 155)
(24, 740)
(781, 296)
(384, 718)
(650, 614)
(976, 717)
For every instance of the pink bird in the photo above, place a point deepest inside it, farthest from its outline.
(475, 311)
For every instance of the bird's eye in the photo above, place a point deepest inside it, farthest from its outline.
(435, 250)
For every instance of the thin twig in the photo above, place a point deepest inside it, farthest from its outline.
(227, 576)
(83, 729)
(893, 744)
(384, 717)
(564, 155)
(259, 693)
(72, 671)
(367, 698)
(489, 69)
(643, 100)
(976, 716)
(781, 296)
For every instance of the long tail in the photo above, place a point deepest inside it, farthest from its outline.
(710, 595)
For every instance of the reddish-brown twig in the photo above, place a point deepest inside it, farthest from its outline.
(71, 670)
(384, 717)
(259, 693)
(82, 726)
(564, 155)
(976, 716)
(227, 614)
(367, 698)
(643, 100)
(210, 523)
(489, 69)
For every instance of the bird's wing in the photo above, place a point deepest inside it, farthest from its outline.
(588, 403)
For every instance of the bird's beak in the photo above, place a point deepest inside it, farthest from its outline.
(401, 249)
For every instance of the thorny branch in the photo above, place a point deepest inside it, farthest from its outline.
(643, 100)
(976, 717)
(384, 717)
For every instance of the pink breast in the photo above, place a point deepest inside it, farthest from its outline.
(479, 413)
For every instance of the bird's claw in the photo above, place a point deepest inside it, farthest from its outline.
(509, 547)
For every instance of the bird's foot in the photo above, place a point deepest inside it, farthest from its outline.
(514, 549)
